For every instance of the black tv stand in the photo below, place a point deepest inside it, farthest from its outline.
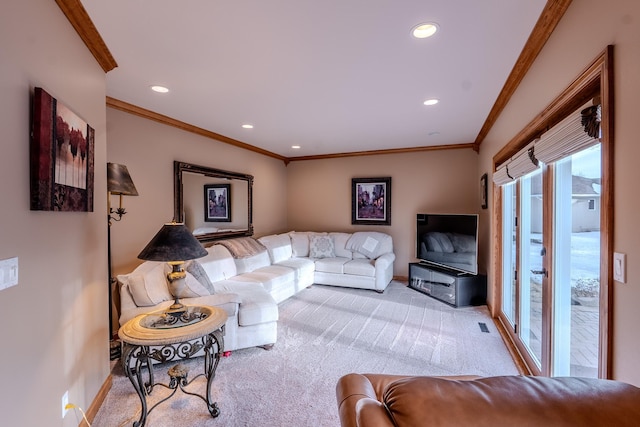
(451, 287)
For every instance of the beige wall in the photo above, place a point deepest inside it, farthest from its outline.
(584, 32)
(54, 329)
(444, 181)
(148, 149)
(53, 324)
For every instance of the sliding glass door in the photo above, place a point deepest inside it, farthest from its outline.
(551, 264)
(531, 269)
(576, 266)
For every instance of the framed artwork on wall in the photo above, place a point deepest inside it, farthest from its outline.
(61, 157)
(217, 202)
(371, 201)
(483, 191)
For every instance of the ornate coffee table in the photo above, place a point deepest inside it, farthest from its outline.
(172, 335)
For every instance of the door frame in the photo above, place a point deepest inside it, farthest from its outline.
(595, 80)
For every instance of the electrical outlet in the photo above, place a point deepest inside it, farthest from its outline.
(65, 402)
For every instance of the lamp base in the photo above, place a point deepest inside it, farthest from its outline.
(176, 309)
(176, 283)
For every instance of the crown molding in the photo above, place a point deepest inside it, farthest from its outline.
(80, 20)
(378, 152)
(549, 18)
(166, 120)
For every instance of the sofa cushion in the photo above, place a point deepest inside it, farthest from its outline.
(321, 246)
(340, 244)
(148, 283)
(257, 306)
(331, 265)
(299, 243)
(271, 277)
(253, 262)
(512, 401)
(279, 247)
(360, 267)
(301, 267)
(218, 264)
(370, 243)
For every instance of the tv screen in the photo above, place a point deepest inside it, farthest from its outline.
(448, 240)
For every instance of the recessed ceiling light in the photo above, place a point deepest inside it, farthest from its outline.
(247, 126)
(424, 30)
(159, 89)
(434, 133)
(295, 147)
(431, 101)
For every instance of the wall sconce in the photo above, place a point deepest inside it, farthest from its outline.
(119, 183)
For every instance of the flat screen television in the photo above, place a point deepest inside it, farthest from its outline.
(448, 240)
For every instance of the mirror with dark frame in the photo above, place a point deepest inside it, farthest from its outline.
(213, 203)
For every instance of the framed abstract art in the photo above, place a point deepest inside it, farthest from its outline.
(61, 157)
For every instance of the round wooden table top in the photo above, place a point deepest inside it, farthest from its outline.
(162, 328)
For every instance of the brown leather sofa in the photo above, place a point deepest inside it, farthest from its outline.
(377, 400)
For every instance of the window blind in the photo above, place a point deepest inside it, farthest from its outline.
(570, 135)
(522, 163)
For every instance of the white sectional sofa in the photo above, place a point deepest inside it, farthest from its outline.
(248, 278)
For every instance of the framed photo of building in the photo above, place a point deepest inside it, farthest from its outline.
(371, 201)
(217, 202)
(61, 157)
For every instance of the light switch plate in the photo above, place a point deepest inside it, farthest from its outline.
(8, 272)
(620, 267)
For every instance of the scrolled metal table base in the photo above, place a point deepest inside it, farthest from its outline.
(141, 368)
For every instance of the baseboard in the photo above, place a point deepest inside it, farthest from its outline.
(404, 279)
(92, 411)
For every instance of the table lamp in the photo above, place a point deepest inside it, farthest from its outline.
(174, 244)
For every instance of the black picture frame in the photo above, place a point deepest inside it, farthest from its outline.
(484, 191)
(371, 201)
(217, 203)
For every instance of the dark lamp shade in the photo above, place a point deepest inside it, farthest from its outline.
(119, 181)
(174, 242)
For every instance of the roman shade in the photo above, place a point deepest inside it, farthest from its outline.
(522, 163)
(578, 131)
(570, 135)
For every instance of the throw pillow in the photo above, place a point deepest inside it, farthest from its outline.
(189, 288)
(321, 247)
(197, 271)
(299, 244)
(371, 244)
(148, 284)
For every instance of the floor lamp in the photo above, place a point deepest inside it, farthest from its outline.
(119, 183)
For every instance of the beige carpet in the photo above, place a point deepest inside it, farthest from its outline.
(324, 332)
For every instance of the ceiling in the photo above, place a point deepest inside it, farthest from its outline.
(332, 76)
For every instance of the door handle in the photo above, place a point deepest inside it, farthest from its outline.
(543, 271)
